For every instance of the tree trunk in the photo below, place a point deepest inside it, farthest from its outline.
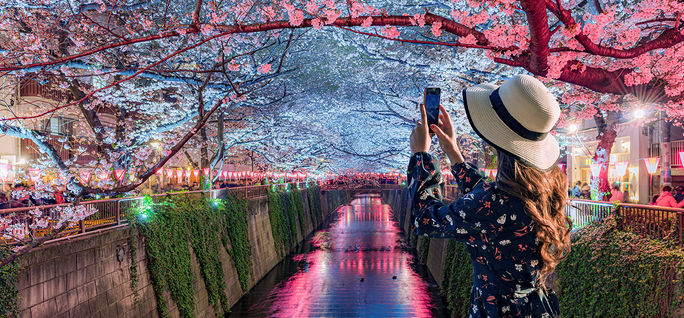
(600, 188)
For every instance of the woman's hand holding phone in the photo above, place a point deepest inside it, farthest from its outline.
(420, 138)
(446, 135)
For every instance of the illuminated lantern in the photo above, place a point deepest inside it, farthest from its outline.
(159, 172)
(487, 172)
(103, 175)
(595, 169)
(494, 172)
(179, 174)
(206, 171)
(169, 173)
(620, 169)
(652, 164)
(195, 173)
(681, 158)
(34, 174)
(84, 175)
(119, 174)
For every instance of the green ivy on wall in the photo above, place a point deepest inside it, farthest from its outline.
(206, 223)
(133, 258)
(168, 255)
(314, 196)
(9, 296)
(423, 249)
(620, 274)
(240, 247)
(289, 212)
(298, 205)
(458, 278)
(171, 227)
(279, 227)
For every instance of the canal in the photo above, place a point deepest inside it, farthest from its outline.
(357, 266)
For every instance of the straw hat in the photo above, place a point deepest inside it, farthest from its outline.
(516, 118)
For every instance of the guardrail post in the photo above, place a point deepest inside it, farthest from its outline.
(81, 226)
(117, 212)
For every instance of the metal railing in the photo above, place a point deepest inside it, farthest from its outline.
(653, 221)
(584, 212)
(646, 220)
(109, 212)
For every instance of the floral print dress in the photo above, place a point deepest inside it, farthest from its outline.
(497, 232)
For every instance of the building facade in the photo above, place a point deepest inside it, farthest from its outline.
(637, 139)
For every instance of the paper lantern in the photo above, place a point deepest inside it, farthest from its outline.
(620, 169)
(651, 164)
(494, 172)
(206, 171)
(159, 172)
(595, 169)
(179, 173)
(681, 158)
(103, 175)
(119, 174)
(195, 173)
(84, 175)
(34, 174)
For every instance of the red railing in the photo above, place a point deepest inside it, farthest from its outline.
(109, 213)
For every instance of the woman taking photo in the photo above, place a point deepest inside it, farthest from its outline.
(515, 228)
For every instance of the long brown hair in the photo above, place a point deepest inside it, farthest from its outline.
(543, 195)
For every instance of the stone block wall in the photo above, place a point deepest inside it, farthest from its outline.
(89, 276)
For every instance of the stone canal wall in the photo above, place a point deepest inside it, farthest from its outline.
(90, 276)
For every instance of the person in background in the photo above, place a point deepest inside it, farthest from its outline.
(576, 190)
(4, 203)
(679, 193)
(586, 192)
(653, 201)
(616, 194)
(667, 200)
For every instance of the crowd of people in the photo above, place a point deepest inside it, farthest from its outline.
(669, 197)
(21, 196)
(583, 191)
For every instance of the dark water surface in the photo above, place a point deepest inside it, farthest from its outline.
(358, 266)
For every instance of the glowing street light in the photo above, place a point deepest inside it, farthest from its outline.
(572, 128)
(638, 114)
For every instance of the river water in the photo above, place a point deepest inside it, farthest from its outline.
(357, 266)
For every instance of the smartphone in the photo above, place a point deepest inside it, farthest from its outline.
(431, 101)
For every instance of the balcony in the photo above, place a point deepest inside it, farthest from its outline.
(31, 88)
(675, 148)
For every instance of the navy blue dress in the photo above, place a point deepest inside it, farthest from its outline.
(497, 231)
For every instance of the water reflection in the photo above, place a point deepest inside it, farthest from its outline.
(359, 266)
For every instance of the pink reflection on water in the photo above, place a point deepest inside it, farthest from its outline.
(351, 272)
